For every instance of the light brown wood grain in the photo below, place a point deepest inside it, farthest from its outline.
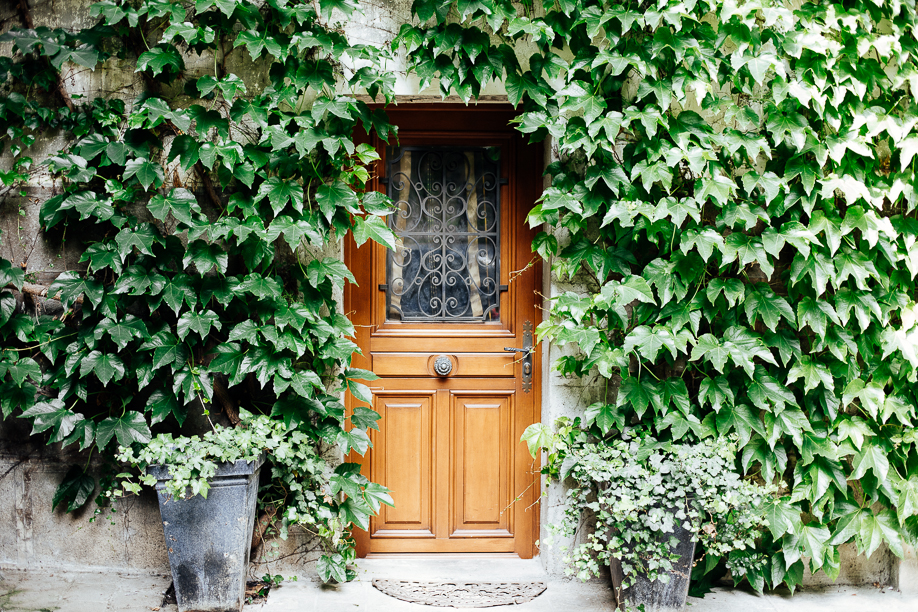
(403, 462)
(464, 364)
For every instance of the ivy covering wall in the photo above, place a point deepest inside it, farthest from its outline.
(200, 206)
(735, 189)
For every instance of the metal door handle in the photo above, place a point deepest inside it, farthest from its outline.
(527, 355)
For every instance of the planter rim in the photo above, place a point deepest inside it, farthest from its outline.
(240, 467)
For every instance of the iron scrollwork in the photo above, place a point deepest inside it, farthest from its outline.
(446, 264)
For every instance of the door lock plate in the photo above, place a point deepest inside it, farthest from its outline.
(527, 355)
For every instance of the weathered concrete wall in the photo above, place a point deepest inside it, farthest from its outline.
(905, 576)
(35, 536)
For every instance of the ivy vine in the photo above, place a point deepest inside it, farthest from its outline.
(736, 189)
(203, 208)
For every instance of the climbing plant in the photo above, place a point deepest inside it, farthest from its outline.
(735, 188)
(204, 206)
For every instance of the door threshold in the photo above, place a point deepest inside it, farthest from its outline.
(443, 556)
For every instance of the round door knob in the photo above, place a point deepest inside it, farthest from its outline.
(443, 365)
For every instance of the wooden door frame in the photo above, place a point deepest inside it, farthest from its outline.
(360, 299)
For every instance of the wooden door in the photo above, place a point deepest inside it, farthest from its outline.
(448, 444)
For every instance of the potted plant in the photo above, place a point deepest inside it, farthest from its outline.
(208, 486)
(652, 501)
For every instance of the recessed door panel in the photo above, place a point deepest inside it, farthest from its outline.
(481, 449)
(403, 463)
(433, 317)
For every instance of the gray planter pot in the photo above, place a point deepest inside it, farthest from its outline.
(656, 596)
(208, 540)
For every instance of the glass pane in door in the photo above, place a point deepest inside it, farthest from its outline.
(446, 264)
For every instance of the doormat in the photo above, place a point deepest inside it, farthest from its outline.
(461, 594)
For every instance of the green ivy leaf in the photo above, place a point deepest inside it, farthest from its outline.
(75, 490)
(761, 301)
(280, 193)
(294, 230)
(812, 373)
(197, 322)
(181, 203)
(52, 414)
(817, 266)
(347, 7)
(334, 195)
(23, 369)
(296, 410)
(639, 393)
(907, 500)
(717, 392)
(205, 257)
(373, 228)
(748, 249)
(814, 539)
(816, 313)
(741, 419)
(783, 517)
(318, 270)
(122, 332)
(718, 188)
(107, 367)
(70, 286)
(710, 348)
(605, 416)
(790, 422)
(148, 173)
(162, 403)
(364, 418)
(706, 241)
(878, 528)
(13, 396)
(159, 59)
(141, 238)
(871, 457)
(376, 495)
(805, 169)
(767, 393)
(332, 568)
(260, 286)
(11, 275)
(177, 290)
(130, 428)
(675, 392)
(167, 350)
(354, 440)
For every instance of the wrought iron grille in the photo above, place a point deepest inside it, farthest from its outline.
(446, 264)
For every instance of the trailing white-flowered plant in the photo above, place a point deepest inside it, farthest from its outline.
(639, 490)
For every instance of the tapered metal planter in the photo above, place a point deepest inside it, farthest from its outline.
(208, 540)
(655, 595)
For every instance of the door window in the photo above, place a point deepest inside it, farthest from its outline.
(445, 267)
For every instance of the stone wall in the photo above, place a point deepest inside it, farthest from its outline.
(34, 536)
(131, 537)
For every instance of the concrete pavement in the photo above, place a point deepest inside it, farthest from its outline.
(49, 590)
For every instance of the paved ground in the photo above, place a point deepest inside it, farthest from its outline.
(97, 591)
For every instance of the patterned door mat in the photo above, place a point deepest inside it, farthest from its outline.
(453, 594)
